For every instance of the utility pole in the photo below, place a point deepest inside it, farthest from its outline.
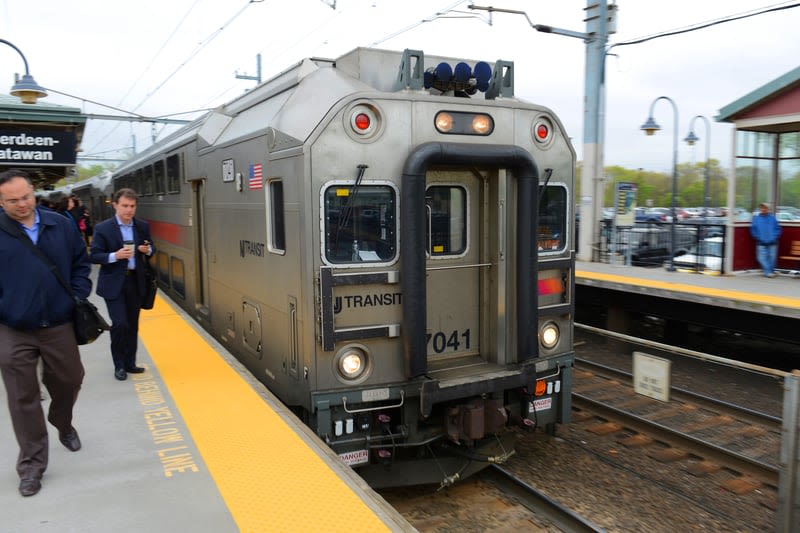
(600, 22)
(257, 77)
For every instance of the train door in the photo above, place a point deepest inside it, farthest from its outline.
(198, 226)
(454, 263)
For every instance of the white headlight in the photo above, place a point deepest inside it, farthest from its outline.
(549, 335)
(351, 363)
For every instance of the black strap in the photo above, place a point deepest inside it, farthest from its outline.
(13, 229)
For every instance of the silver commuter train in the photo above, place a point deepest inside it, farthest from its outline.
(387, 243)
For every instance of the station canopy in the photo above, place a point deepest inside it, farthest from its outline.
(42, 139)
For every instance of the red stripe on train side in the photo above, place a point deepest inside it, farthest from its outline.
(166, 231)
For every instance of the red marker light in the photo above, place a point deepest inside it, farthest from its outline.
(542, 132)
(362, 121)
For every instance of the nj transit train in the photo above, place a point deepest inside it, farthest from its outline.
(386, 241)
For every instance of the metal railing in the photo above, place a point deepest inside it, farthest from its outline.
(699, 246)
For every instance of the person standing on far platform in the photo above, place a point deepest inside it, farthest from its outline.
(766, 231)
(36, 322)
(121, 245)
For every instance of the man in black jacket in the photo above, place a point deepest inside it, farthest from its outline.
(36, 322)
(121, 245)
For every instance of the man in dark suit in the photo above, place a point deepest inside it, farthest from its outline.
(36, 323)
(121, 245)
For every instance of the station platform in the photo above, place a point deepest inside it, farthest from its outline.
(748, 291)
(193, 444)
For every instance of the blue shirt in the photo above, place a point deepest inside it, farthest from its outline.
(127, 235)
(33, 231)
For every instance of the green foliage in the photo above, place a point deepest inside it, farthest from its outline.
(655, 188)
(93, 170)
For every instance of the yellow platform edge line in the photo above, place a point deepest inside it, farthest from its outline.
(268, 477)
(782, 301)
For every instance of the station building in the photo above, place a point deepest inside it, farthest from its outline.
(765, 168)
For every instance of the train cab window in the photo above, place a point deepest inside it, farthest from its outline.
(174, 173)
(552, 232)
(360, 223)
(159, 176)
(276, 224)
(446, 229)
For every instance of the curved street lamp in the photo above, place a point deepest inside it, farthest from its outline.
(26, 88)
(650, 127)
(691, 139)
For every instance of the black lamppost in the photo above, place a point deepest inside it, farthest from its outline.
(26, 88)
(650, 127)
(690, 140)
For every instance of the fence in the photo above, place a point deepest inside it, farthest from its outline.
(698, 246)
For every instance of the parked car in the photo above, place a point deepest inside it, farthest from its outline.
(650, 246)
(707, 255)
(653, 214)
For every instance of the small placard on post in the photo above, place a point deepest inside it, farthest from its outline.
(651, 376)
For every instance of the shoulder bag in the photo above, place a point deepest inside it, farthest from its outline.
(86, 320)
(150, 284)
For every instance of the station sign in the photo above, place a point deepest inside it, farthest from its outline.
(37, 147)
(651, 376)
(625, 203)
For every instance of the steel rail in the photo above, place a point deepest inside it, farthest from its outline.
(534, 500)
(765, 472)
(751, 415)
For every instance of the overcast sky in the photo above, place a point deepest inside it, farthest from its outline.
(163, 57)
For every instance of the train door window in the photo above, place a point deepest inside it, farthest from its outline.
(147, 180)
(159, 176)
(360, 223)
(276, 225)
(174, 173)
(446, 207)
(551, 234)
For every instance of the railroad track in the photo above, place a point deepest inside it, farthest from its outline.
(532, 499)
(720, 433)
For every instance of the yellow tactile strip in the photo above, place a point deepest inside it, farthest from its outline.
(269, 478)
(693, 289)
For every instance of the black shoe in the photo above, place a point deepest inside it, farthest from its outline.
(134, 370)
(120, 374)
(30, 486)
(70, 440)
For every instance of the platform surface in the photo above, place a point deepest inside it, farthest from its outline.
(749, 291)
(193, 444)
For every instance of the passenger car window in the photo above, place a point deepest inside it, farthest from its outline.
(360, 224)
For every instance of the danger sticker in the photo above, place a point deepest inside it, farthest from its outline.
(541, 404)
(357, 457)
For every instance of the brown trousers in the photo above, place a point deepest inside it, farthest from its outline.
(62, 375)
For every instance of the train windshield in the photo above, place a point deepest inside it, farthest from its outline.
(552, 231)
(360, 224)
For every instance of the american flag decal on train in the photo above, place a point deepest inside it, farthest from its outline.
(255, 182)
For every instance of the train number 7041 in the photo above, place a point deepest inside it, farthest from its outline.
(449, 342)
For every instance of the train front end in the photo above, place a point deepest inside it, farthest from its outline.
(444, 283)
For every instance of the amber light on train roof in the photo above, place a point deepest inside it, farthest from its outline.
(541, 387)
(460, 123)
